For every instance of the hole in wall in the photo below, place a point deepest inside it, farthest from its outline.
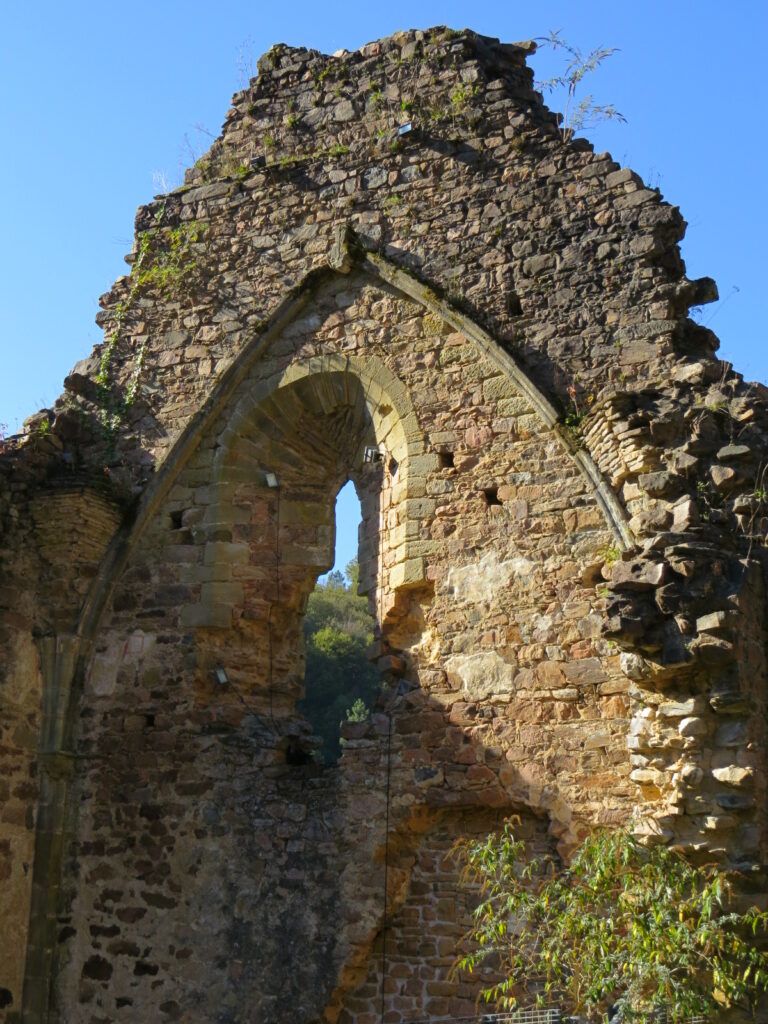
(513, 304)
(176, 519)
(340, 682)
(446, 460)
(491, 496)
(296, 755)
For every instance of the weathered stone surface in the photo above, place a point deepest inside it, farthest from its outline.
(734, 452)
(482, 676)
(732, 734)
(454, 301)
(478, 582)
(637, 575)
(693, 727)
(734, 776)
(681, 709)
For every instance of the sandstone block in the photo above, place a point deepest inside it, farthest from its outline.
(410, 573)
(482, 675)
(648, 777)
(693, 726)
(682, 708)
(732, 734)
(733, 775)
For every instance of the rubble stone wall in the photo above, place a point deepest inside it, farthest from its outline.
(562, 547)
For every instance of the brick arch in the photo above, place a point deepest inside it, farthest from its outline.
(429, 912)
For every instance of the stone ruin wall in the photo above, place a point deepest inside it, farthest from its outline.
(569, 620)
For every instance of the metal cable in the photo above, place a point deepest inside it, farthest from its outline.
(386, 871)
(536, 1016)
(271, 606)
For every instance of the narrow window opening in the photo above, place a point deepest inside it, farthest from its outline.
(340, 682)
(513, 304)
(176, 520)
(491, 496)
(296, 755)
(446, 460)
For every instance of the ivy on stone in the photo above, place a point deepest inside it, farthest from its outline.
(164, 262)
(169, 265)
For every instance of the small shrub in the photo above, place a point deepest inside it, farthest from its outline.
(621, 927)
(610, 555)
(585, 112)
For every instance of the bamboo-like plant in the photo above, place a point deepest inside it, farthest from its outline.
(583, 113)
(621, 927)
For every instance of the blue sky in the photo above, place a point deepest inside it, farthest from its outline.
(98, 101)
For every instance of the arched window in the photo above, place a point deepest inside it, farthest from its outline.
(340, 682)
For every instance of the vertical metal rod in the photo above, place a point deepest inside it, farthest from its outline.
(272, 604)
(386, 871)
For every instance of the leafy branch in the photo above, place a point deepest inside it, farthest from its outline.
(583, 113)
(621, 927)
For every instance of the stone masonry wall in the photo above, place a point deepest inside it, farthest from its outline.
(562, 547)
(501, 702)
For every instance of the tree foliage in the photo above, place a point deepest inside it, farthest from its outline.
(340, 681)
(620, 926)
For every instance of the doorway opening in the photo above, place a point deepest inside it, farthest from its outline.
(340, 682)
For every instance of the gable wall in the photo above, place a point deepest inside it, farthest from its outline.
(546, 669)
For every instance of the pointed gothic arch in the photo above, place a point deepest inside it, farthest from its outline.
(215, 443)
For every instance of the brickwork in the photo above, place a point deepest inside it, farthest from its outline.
(562, 548)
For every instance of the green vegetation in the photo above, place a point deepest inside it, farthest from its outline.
(446, 35)
(621, 926)
(341, 684)
(461, 95)
(164, 262)
(171, 262)
(610, 554)
(584, 113)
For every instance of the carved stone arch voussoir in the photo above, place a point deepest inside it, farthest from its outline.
(345, 254)
(217, 417)
(392, 428)
(380, 267)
